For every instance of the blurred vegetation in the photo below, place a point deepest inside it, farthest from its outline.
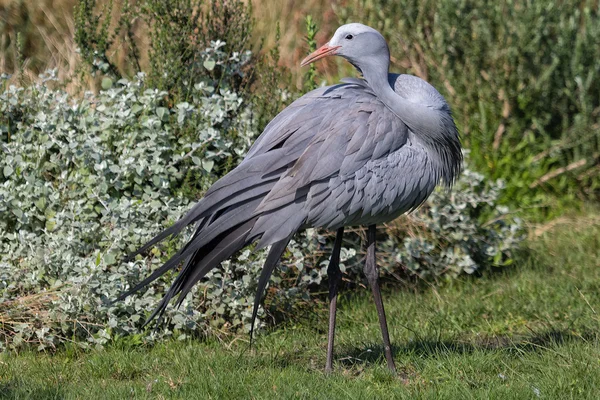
(47, 29)
(41, 24)
(177, 33)
(310, 77)
(522, 79)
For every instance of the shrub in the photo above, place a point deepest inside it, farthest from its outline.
(458, 231)
(521, 79)
(176, 34)
(76, 174)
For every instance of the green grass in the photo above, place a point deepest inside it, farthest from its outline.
(528, 332)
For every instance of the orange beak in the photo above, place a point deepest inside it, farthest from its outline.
(321, 52)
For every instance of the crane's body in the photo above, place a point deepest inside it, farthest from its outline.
(361, 152)
(358, 163)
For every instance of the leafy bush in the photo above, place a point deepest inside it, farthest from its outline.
(176, 34)
(522, 81)
(83, 181)
(458, 231)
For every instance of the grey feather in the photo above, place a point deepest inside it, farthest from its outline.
(272, 259)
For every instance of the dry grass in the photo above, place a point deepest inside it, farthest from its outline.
(47, 30)
(26, 310)
(573, 223)
(290, 15)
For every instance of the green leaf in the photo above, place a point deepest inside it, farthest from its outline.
(40, 203)
(106, 83)
(110, 258)
(50, 225)
(209, 64)
(8, 171)
(162, 112)
(497, 258)
(208, 165)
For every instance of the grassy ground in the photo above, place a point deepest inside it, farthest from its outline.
(529, 332)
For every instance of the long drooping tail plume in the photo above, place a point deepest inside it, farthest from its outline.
(227, 219)
(272, 259)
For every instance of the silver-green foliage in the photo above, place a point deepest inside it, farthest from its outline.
(85, 180)
(461, 231)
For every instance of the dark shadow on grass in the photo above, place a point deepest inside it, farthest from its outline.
(368, 354)
(17, 390)
(372, 353)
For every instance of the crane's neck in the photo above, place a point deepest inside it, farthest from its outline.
(420, 118)
(433, 126)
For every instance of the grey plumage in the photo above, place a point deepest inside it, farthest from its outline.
(361, 152)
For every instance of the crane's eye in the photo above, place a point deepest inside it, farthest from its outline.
(349, 37)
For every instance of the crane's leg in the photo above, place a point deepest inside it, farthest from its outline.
(372, 273)
(334, 276)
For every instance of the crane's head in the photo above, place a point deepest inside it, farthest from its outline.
(361, 45)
